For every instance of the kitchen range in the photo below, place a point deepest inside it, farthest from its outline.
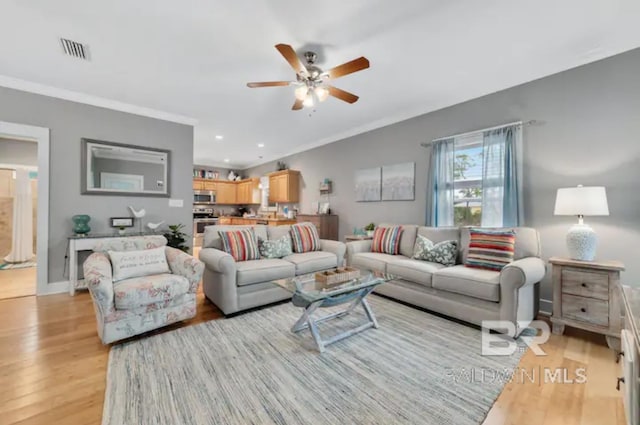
(203, 215)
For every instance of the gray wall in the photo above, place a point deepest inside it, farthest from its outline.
(587, 133)
(151, 173)
(69, 122)
(18, 152)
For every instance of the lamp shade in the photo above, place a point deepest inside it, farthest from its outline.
(589, 200)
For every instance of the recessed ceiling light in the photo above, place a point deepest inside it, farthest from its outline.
(261, 145)
(226, 160)
(219, 137)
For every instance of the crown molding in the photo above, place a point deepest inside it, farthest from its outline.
(87, 99)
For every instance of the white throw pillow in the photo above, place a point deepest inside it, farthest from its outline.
(128, 264)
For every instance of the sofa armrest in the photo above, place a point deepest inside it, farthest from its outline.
(185, 265)
(219, 282)
(526, 271)
(356, 247)
(218, 261)
(335, 247)
(99, 279)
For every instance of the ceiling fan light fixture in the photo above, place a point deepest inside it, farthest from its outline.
(308, 101)
(301, 92)
(322, 93)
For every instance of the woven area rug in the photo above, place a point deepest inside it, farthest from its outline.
(416, 368)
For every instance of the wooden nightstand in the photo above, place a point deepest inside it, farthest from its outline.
(586, 295)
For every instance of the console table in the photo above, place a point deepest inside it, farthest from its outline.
(79, 243)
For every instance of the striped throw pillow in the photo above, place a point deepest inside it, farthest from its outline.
(387, 240)
(241, 244)
(490, 249)
(305, 237)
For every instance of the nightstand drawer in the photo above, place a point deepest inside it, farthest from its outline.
(586, 284)
(588, 310)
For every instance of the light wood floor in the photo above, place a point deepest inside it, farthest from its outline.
(17, 283)
(52, 370)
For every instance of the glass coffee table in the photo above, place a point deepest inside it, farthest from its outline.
(311, 294)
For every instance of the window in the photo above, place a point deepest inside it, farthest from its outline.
(476, 179)
(467, 181)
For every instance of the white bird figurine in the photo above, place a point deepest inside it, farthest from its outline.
(138, 214)
(154, 226)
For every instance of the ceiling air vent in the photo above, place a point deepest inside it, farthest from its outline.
(75, 49)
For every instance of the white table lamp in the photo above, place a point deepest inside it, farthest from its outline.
(581, 201)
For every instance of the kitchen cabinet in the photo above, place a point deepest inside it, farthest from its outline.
(327, 224)
(247, 192)
(231, 192)
(210, 185)
(226, 193)
(284, 186)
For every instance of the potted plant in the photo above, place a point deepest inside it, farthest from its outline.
(176, 238)
(369, 228)
(121, 230)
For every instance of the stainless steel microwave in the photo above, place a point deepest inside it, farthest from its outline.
(204, 197)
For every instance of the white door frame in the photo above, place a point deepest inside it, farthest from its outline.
(39, 135)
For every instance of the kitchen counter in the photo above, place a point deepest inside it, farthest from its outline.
(249, 221)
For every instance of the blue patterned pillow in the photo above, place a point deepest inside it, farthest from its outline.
(277, 248)
(444, 252)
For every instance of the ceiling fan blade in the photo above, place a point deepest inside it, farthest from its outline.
(291, 57)
(348, 68)
(269, 84)
(343, 95)
(297, 105)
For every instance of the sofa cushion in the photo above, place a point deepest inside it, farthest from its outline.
(374, 260)
(146, 262)
(309, 262)
(212, 237)
(276, 248)
(386, 240)
(445, 252)
(305, 237)
(476, 283)
(490, 249)
(242, 244)
(440, 234)
(255, 271)
(141, 291)
(413, 270)
(407, 239)
(527, 242)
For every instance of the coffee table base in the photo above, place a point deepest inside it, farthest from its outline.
(308, 321)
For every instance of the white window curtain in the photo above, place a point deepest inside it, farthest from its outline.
(22, 232)
(440, 199)
(500, 181)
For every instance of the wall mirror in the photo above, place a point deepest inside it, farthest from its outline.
(116, 169)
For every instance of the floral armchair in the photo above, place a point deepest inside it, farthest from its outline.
(136, 305)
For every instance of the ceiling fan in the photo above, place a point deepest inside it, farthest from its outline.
(311, 81)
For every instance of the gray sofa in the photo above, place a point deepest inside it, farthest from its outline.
(236, 286)
(471, 295)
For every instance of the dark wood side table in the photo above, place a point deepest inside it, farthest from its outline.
(586, 295)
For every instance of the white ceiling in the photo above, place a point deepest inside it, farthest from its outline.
(192, 59)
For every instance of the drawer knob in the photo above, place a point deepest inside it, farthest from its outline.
(584, 310)
(584, 285)
(620, 381)
(620, 354)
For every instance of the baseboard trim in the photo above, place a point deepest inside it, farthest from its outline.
(55, 288)
(546, 307)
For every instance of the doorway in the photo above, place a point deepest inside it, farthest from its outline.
(24, 210)
(18, 218)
